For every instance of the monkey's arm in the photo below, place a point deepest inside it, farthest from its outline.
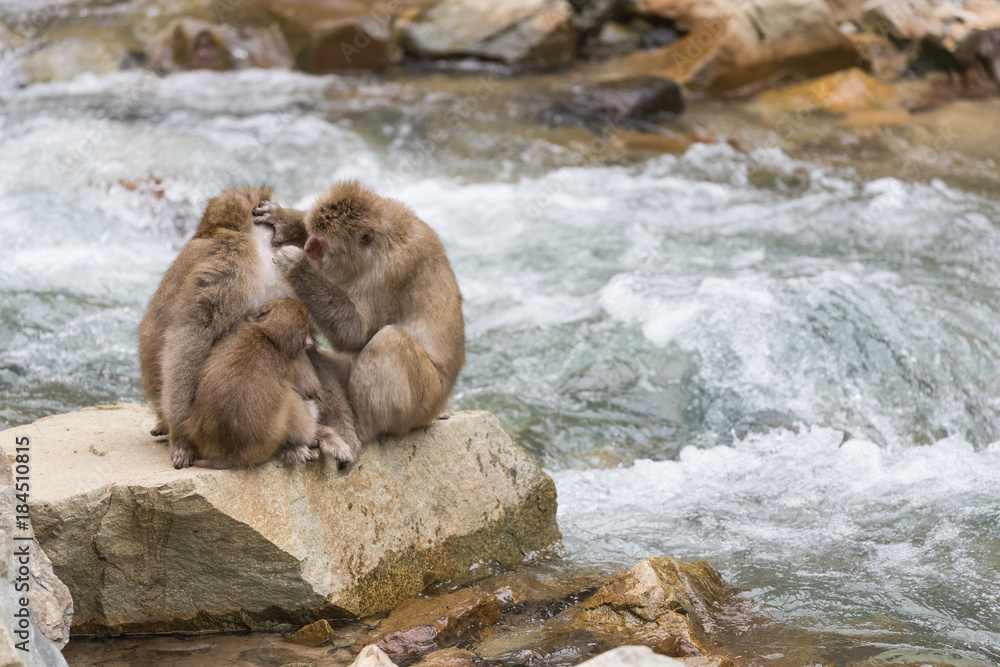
(289, 224)
(331, 310)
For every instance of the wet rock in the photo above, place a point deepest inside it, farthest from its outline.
(662, 603)
(979, 55)
(449, 657)
(347, 44)
(636, 98)
(520, 590)
(532, 33)
(886, 59)
(66, 60)
(314, 634)
(589, 15)
(191, 44)
(418, 627)
(46, 599)
(632, 656)
(372, 656)
(842, 92)
(146, 548)
(738, 48)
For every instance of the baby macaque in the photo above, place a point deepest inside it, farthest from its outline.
(258, 393)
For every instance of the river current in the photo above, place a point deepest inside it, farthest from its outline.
(788, 370)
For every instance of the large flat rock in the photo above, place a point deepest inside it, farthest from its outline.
(146, 548)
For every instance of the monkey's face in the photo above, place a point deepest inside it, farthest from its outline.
(286, 323)
(350, 230)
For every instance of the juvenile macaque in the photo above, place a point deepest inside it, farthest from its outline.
(222, 275)
(258, 393)
(377, 284)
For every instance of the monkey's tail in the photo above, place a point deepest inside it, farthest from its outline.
(211, 463)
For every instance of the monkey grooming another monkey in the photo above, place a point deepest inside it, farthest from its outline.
(222, 275)
(258, 392)
(377, 283)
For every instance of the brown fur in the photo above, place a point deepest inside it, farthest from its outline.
(378, 285)
(217, 280)
(258, 392)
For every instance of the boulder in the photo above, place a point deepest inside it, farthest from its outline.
(146, 548)
(662, 603)
(533, 33)
(333, 35)
(47, 599)
(736, 48)
(188, 44)
(350, 44)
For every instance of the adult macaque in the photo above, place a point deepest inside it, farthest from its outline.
(222, 275)
(377, 283)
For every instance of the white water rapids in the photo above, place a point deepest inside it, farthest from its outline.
(780, 368)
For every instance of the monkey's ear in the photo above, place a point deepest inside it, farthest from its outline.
(264, 312)
(366, 236)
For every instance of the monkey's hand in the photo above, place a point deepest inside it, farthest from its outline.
(287, 257)
(289, 224)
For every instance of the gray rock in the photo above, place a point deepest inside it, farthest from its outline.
(146, 548)
(49, 603)
(535, 33)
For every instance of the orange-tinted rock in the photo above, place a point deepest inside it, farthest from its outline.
(418, 627)
(849, 90)
(739, 49)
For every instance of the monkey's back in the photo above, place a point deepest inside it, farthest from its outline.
(245, 400)
(204, 283)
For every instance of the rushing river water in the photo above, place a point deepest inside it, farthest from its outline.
(784, 369)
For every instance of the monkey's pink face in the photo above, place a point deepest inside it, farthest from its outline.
(317, 246)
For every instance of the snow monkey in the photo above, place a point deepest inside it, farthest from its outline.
(257, 394)
(223, 274)
(377, 283)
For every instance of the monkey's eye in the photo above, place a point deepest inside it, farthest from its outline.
(366, 236)
(264, 312)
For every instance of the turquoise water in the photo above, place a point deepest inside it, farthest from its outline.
(787, 370)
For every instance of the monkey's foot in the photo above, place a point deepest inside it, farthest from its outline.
(287, 256)
(182, 455)
(159, 430)
(298, 454)
(331, 444)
